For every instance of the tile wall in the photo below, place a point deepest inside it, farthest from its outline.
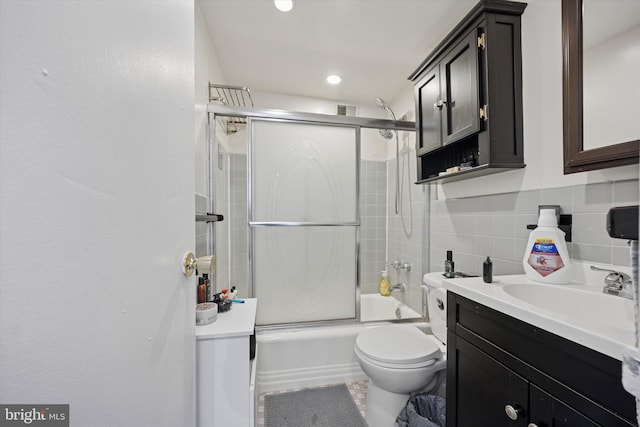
(201, 227)
(373, 228)
(407, 232)
(495, 226)
(238, 255)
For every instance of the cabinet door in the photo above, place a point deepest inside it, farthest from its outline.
(429, 111)
(484, 387)
(461, 113)
(547, 411)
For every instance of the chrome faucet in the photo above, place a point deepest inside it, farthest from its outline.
(616, 283)
(399, 287)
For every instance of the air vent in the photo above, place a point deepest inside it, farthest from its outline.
(346, 110)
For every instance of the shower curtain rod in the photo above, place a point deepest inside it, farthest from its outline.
(363, 122)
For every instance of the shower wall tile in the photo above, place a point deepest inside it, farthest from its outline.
(406, 229)
(373, 225)
(238, 261)
(201, 228)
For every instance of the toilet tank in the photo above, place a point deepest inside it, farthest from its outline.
(437, 303)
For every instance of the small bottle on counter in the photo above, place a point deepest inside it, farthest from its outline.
(449, 266)
(202, 291)
(487, 271)
(207, 284)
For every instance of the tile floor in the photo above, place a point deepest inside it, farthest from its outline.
(357, 389)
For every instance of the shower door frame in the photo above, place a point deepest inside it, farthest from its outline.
(358, 123)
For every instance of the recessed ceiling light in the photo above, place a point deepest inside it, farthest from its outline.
(334, 79)
(283, 5)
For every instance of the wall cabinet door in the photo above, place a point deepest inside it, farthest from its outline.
(484, 388)
(429, 105)
(468, 97)
(460, 90)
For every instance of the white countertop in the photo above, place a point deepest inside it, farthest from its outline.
(237, 322)
(607, 330)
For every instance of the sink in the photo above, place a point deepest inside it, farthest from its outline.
(578, 311)
(593, 310)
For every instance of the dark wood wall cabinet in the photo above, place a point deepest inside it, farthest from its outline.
(468, 95)
(505, 372)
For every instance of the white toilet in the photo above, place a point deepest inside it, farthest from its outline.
(401, 360)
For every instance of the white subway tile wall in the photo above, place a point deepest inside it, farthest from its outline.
(373, 223)
(495, 226)
(407, 233)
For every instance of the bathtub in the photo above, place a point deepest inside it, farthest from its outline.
(374, 307)
(321, 355)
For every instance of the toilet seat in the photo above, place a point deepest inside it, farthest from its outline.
(397, 347)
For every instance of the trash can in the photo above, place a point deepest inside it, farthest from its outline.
(423, 410)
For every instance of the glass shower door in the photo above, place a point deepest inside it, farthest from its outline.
(303, 220)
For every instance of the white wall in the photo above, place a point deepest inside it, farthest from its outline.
(96, 189)
(207, 69)
(542, 115)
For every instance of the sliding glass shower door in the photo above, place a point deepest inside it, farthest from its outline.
(303, 220)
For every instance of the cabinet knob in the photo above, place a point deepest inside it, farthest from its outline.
(532, 425)
(513, 412)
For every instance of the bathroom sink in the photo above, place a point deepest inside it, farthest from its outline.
(590, 309)
(578, 311)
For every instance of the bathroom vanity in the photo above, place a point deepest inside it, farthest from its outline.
(225, 374)
(514, 360)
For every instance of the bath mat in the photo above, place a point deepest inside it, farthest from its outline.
(312, 407)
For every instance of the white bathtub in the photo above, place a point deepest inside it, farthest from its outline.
(314, 356)
(376, 307)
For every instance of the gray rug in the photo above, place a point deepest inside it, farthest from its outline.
(313, 407)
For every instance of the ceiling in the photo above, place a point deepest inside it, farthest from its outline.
(372, 44)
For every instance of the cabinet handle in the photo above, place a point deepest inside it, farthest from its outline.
(439, 104)
(532, 425)
(512, 412)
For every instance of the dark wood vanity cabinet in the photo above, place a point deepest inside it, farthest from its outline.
(505, 372)
(468, 95)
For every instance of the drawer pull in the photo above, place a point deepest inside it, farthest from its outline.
(512, 412)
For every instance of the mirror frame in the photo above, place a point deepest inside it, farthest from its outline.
(576, 159)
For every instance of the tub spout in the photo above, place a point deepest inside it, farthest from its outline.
(399, 287)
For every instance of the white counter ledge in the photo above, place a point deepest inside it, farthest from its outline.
(577, 312)
(237, 322)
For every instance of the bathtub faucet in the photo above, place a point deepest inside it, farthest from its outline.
(399, 287)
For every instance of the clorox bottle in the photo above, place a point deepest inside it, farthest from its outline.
(546, 258)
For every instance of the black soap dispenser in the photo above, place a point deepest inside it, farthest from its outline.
(449, 266)
(487, 271)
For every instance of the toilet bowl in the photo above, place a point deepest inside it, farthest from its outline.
(401, 360)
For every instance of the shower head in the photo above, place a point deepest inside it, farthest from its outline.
(386, 133)
(381, 103)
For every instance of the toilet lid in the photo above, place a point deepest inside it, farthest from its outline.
(397, 344)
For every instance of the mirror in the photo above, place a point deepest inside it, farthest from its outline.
(597, 134)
